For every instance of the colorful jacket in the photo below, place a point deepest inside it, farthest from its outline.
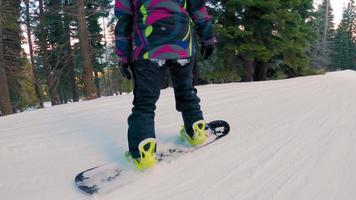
(161, 29)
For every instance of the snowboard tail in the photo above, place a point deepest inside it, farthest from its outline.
(105, 178)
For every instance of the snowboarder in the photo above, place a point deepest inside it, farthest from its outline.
(163, 39)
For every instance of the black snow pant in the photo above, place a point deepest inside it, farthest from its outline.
(148, 78)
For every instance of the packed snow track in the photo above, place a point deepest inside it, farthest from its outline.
(289, 139)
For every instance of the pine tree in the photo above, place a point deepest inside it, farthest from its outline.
(95, 38)
(85, 51)
(263, 33)
(344, 43)
(60, 54)
(10, 51)
(59, 20)
(69, 63)
(30, 45)
(5, 104)
(324, 27)
(106, 52)
(52, 77)
(94, 11)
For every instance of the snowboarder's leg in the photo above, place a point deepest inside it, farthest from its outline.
(148, 79)
(186, 97)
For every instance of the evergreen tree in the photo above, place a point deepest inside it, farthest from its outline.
(28, 19)
(51, 72)
(344, 43)
(324, 27)
(297, 37)
(94, 11)
(10, 51)
(57, 41)
(263, 33)
(5, 104)
(59, 22)
(86, 55)
(69, 62)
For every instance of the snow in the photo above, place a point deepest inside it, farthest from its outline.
(290, 139)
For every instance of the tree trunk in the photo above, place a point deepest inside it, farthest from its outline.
(197, 79)
(97, 83)
(261, 71)
(324, 42)
(69, 57)
(51, 76)
(34, 72)
(230, 60)
(230, 57)
(109, 80)
(107, 60)
(326, 23)
(248, 70)
(104, 83)
(115, 81)
(89, 87)
(5, 103)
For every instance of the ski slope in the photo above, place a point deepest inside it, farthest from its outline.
(290, 139)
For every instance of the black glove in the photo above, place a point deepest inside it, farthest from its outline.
(207, 51)
(125, 72)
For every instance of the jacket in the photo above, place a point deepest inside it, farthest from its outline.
(160, 29)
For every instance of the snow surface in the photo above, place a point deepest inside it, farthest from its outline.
(290, 139)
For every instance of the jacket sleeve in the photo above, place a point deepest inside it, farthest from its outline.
(198, 12)
(123, 30)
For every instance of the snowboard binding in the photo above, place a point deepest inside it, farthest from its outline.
(147, 157)
(199, 134)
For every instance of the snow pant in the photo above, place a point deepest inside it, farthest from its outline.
(148, 79)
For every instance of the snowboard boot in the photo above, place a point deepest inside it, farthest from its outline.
(147, 157)
(198, 136)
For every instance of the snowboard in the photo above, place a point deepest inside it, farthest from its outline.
(105, 178)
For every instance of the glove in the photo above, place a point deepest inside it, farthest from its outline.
(207, 51)
(124, 70)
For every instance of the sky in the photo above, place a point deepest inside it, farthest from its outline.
(338, 6)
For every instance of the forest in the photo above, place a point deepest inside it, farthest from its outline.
(60, 51)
